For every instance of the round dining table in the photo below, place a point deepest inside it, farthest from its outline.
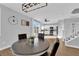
(26, 48)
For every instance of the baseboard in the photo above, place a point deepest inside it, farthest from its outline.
(72, 46)
(5, 47)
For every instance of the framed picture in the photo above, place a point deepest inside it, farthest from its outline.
(24, 22)
(27, 23)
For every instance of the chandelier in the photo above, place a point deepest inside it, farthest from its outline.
(27, 7)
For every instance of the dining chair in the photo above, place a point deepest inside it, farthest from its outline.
(41, 36)
(22, 36)
(53, 50)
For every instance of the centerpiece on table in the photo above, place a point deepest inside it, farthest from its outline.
(31, 39)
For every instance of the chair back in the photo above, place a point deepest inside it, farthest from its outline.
(41, 36)
(55, 48)
(22, 36)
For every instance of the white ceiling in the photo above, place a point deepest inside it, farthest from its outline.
(53, 12)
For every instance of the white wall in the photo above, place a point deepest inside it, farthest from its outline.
(9, 32)
(65, 30)
(68, 25)
(73, 42)
(61, 29)
(0, 22)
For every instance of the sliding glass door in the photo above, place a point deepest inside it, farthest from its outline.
(35, 27)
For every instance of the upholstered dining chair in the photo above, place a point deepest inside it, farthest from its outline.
(53, 50)
(22, 36)
(41, 36)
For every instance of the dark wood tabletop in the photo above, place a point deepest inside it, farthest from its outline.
(24, 47)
